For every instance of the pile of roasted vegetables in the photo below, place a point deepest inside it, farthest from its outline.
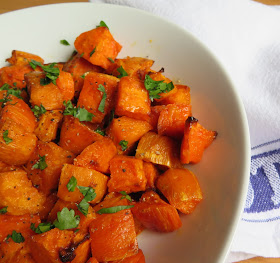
(91, 153)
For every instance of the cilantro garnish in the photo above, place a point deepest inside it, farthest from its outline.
(89, 194)
(3, 210)
(111, 60)
(102, 24)
(10, 91)
(114, 209)
(64, 42)
(38, 110)
(72, 184)
(125, 196)
(42, 227)
(6, 86)
(103, 100)
(123, 144)
(92, 52)
(122, 72)
(16, 237)
(80, 113)
(83, 207)
(51, 72)
(155, 87)
(41, 164)
(83, 76)
(66, 219)
(99, 131)
(6, 138)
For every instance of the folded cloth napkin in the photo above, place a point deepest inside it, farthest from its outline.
(245, 36)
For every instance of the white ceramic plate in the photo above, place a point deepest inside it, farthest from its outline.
(224, 171)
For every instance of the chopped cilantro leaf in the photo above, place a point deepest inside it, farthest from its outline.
(103, 100)
(3, 210)
(80, 113)
(122, 72)
(83, 207)
(64, 42)
(111, 60)
(83, 76)
(6, 138)
(125, 196)
(102, 24)
(72, 184)
(123, 144)
(42, 227)
(66, 219)
(10, 91)
(92, 52)
(114, 209)
(38, 110)
(16, 237)
(6, 86)
(156, 87)
(41, 164)
(99, 131)
(88, 193)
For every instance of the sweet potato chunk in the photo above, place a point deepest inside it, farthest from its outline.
(17, 192)
(196, 139)
(46, 180)
(7, 168)
(65, 83)
(48, 124)
(127, 129)
(92, 260)
(171, 121)
(91, 96)
(97, 155)
(82, 252)
(127, 174)
(20, 224)
(75, 136)
(181, 189)
(85, 177)
(133, 99)
(113, 236)
(23, 58)
(47, 247)
(155, 112)
(50, 96)
(151, 174)
(159, 149)
(48, 206)
(21, 145)
(97, 46)
(137, 258)
(155, 214)
(78, 66)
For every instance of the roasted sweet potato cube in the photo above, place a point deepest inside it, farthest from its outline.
(14, 74)
(84, 220)
(48, 247)
(127, 129)
(75, 136)
(113, 236)
(17, 192)
(196, 139)
(85, 177)
(19, 223)
(48, 206)
(98, 46)
(133, 66)
(82, 252)
(137, 258)
(46, 179)
(48, 124)
(171, 121)
(20, 255)
(23, 58)
(155, 214)
(65, 83)
(133, 99)
(92, 260)
(159, 149)
(7, 168)
(20, 113)
(92, 96)
(181, 189)
(158, 76)
(155, 112)
(179, 95)
(151, 173)
(18, 144)
(50, 96)
(127, 174)
(78, 66)
(97, 155)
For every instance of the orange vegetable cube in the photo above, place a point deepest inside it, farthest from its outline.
(196, 139)
(127, 174)
(92, 260)
(113, 236)
(78, 66)
(17, 192)
(137, 258)
(181, 189)
(75, 136)
(155, 112)
(49, 246)
(155, 214)
(82, 252)
(7, 168)
(21, 146)
(65, 83)
(97, 155)
(91, 96)
(133, 99)
(151, 174)
(171, 121)
(159, 149)
(46, 180)
(85, 177)
(23, 58)
(127, 129)
(48, 124)
(48, 206)
(97, 46)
